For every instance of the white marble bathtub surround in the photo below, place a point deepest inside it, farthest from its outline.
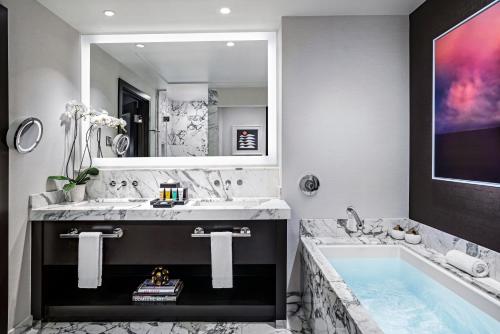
(330, 231)
(432, 238)
(256, 182)
(328, 303)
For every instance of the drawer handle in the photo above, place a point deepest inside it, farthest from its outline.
(199, 232)
(74, 234)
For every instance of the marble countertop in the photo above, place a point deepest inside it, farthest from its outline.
(196, 209)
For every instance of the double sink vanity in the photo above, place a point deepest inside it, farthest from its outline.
(138, 237)
(219, 139)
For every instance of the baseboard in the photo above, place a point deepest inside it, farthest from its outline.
(23, 326)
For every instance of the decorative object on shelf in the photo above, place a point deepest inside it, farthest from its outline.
(148, 292)
(24, 135)
(76, 187)
(247, 140)
(412, 236)
(148, 287)
(309, 185)
(397, 232)
(160, 276)
(120, 145)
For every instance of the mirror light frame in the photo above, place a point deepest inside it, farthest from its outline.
(206, 161)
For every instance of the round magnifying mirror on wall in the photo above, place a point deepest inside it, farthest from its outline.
(24, 135)
(120, 145)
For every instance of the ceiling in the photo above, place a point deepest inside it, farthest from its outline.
(243, 65)
(203, 15)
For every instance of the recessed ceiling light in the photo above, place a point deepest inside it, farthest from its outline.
(230, 44)
(225, 10)
(109, 13)
(140, 46)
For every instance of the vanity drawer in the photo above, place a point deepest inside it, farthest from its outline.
(161, 243)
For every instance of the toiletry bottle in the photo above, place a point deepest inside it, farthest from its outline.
(162, 194)
(168, 193)
(175, 196)
(180, 194)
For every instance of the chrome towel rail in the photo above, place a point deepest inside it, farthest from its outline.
(74, 234)
(244, 232)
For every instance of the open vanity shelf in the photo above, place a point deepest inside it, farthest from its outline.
(259, 264)
(253, 295)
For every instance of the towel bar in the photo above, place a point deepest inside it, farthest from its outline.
(73, 234)
(244, 232)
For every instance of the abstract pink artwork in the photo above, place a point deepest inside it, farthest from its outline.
(467, 100)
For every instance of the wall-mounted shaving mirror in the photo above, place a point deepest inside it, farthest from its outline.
(24, 135)
(121, 144)
(182, 97)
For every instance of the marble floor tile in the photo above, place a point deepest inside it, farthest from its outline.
(295, 324)
(168, 328)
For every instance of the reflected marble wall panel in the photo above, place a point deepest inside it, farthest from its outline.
(187, 128)
(162, 124)
(213, 123)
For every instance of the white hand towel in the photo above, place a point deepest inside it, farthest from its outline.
(89, 260)
(471, 265)
(222, 259)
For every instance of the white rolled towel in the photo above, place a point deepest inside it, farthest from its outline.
(471, 265)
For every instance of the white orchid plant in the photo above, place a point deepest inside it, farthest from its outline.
(74, 112)
(97, 118)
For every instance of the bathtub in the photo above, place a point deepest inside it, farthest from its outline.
(406, 293)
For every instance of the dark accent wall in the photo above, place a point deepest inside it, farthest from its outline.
(471, 212)
(4, 171)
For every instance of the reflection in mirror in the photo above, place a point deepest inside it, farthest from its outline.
(182, 99)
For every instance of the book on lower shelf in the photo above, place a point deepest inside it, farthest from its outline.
(148, 287)
(149, 293)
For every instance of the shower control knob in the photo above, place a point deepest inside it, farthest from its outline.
(112, 183)
(309, 185)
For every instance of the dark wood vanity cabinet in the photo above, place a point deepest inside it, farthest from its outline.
(259, 268)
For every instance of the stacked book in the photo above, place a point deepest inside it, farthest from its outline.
(148, 292)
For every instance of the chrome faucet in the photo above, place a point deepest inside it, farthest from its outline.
(351, 213)
(227, 185)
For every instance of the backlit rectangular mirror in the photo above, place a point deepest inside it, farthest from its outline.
(186, 99)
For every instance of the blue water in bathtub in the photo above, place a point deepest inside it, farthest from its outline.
(403, 299)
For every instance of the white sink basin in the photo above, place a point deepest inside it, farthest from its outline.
(231, 203)
(112, 202)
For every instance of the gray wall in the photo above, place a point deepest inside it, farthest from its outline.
(242, 96)
(44, 73)
(228, 117)
(345, 117)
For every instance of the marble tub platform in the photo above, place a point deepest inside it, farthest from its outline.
(329, 304)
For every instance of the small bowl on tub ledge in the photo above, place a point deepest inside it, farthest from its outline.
(397, 232)
(412, 236)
